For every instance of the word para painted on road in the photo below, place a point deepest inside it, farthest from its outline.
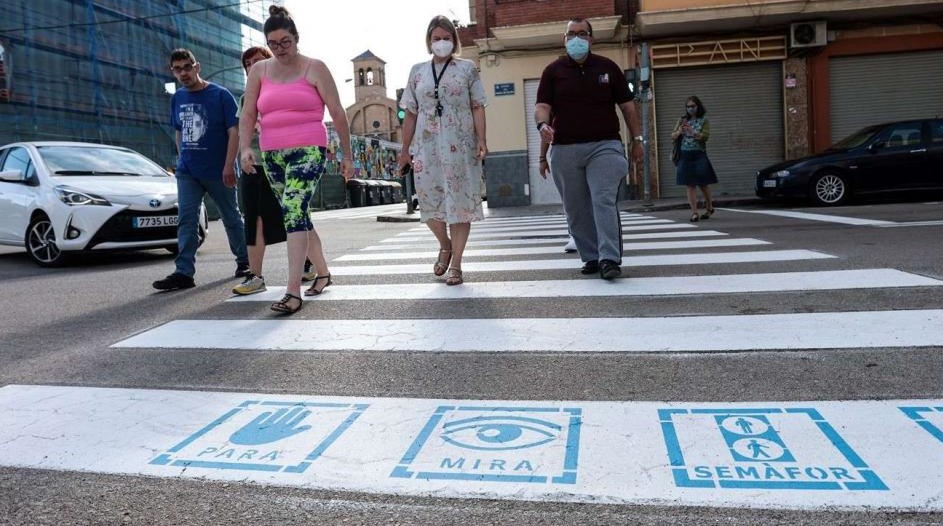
(264, 436)
(499, 444)
(761, 448)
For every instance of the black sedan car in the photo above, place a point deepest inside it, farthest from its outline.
(898, 156)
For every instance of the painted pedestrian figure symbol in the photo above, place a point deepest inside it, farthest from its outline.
(758, 449)
(762, 448)
(744, 425)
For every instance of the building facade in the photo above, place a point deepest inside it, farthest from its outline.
(96, 70)
(779, 78)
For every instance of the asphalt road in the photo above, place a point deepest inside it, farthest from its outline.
(58, 327)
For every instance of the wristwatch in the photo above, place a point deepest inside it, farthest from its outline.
(541, 125)
(638, 138)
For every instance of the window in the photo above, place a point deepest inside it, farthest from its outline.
(370, 77)
(936, 131)
(904, 134)
(18, 159)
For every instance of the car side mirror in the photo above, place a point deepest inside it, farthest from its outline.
(13, 176)
(875, 146)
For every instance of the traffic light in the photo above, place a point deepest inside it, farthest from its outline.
(400, 112)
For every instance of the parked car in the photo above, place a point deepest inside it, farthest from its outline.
(898, 156)
(59, 198)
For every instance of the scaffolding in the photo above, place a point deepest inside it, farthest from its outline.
(95, 71)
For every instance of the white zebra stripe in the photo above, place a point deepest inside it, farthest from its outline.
(595, 287)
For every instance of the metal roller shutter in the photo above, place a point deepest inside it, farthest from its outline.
(542, 191)
(872, 89)
(745, 106)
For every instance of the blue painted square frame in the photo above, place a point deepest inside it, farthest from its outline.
(917, 415)
(570, 461)
(680, 472)
(165, 459)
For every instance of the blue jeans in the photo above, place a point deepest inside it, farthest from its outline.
(190, 192)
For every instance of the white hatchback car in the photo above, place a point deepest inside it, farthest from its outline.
(58, 198)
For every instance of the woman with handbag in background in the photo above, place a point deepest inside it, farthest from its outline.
(694, 168)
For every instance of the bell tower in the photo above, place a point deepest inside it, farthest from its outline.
(369, 77)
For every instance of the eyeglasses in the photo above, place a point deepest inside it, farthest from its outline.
(581, 34)
(184, 68)
(283, 43)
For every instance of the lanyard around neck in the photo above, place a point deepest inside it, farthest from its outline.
(437, 79)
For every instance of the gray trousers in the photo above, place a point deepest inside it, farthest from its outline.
(588, 176)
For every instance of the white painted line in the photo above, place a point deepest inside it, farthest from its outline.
(528, 251)
(573, 264)
(827, 330)
(418, 236)
(547, 240)
(827, 455)
(554, 225)
(814, 217)
(679, 285)
(559, 219)
(913, 223)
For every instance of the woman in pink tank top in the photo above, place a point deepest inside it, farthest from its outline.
(288, 95)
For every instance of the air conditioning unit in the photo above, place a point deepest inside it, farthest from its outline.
(807, 34)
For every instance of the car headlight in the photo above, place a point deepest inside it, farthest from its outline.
(74, 197)
(781, 173)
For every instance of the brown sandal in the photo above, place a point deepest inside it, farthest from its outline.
(313, 290)
(441, 266)
(282, 306)
(455, 277)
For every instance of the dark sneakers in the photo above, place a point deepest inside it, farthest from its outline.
(242, 271)
(174, 281)
(590, 267)
(609, 269)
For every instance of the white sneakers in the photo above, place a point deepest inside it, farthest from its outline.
(570, 246)
(251, 285)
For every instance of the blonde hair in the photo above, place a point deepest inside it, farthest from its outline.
(446, 24)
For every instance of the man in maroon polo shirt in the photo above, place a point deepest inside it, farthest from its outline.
(587, 159)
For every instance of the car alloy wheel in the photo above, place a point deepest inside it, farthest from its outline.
(41, 243)
(829, 189)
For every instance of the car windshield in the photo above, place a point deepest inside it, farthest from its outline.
(92, 160)
(856, 139)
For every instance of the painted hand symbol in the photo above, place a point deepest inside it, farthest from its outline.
(269, 427)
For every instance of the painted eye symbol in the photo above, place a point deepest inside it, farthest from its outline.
(500, 433)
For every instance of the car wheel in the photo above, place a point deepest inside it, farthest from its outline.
(829, 189)
(41, 245)
(200, 238)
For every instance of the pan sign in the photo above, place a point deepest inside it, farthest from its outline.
(504, 88)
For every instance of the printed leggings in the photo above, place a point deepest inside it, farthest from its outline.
(294, 174)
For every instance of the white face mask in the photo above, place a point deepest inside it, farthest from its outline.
(442, 48)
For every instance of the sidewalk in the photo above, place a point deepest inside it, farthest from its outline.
(638, 206)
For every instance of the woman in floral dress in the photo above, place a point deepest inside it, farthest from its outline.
(444, 130)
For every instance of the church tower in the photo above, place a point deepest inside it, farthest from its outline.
(373, 113)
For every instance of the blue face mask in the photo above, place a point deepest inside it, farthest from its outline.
(577, 48)
(692, 111)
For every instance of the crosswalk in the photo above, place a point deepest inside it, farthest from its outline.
(754, 453)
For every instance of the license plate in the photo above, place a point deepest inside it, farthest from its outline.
(154, 221)
(769, 184)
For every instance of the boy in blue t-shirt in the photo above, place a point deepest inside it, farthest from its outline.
(207, 135)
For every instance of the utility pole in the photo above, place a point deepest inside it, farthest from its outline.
(645, 81)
